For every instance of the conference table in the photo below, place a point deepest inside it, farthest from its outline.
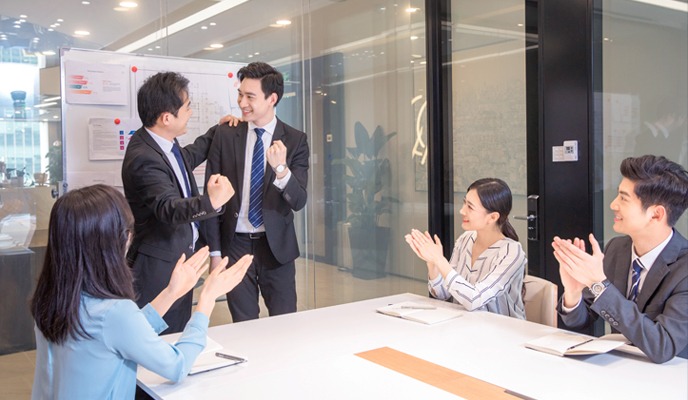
(350, 351)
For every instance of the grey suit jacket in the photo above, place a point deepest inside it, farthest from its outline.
(658, 322)
(227, 157)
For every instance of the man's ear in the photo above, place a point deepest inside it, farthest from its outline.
(659, 213)
(272, 98)
(164, 119)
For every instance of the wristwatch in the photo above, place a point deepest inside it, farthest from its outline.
(280, 168)
(598, 287)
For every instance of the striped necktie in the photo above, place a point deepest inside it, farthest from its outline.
(635, 280)
(255, 205)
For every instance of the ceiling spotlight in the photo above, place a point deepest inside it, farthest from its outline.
(414, 37)
(23, 16)
(60, 20)
(82, 33)
(412, 9)
(128, 4)
(283, 22)
(212, 24)
(85, 3)
(216, 46)
(204, 27)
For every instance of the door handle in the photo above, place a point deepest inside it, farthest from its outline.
(532, 217)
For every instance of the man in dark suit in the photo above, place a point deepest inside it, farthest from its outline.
(267, 162)
(640, 284)
(162, 193)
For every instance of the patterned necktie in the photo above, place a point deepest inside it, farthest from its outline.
(635, 280)
(255, 205)
(178, 155)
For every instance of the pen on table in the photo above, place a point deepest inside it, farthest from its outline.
(230, 357)
(579, 344)
(419, 307)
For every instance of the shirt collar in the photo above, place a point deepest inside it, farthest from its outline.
(269, 127)
(164, 144)
(650, 257)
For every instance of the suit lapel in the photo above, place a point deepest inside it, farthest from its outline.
(660, 269)
(240, 157)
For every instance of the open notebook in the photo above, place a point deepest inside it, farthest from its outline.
(423, 312)
(571, 344)
(207, 360)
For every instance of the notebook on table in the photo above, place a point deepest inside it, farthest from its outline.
(422, 312)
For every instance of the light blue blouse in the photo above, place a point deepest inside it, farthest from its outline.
(104, 367)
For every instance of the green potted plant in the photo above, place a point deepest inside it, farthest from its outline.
(369, 175)
(54, 168)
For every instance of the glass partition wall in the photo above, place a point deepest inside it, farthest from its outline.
(354, 82)
(641, 90)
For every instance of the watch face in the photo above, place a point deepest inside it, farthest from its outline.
(280, 168)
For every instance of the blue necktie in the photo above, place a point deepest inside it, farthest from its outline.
(255, 205)
(635, 280)
(178, 155)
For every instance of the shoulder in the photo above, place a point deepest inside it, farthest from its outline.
(290, 130)
(511, 247)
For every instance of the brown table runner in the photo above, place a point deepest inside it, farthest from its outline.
(440, 377)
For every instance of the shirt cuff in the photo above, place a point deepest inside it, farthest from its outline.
(153, 318)
(567, 310)
(215, 254)
(282, 183)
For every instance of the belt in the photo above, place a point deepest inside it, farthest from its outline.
(252, 236)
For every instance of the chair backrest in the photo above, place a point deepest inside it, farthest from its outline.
(540, 300)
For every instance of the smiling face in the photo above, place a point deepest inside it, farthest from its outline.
(629, 216)
(255, 107)
(475, 216)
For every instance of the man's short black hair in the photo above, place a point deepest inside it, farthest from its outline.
(271, 80)
(658, 181)
(161, 93)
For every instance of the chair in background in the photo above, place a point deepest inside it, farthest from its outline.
(540, 300)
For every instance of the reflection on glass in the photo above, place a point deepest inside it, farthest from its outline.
(644, 102)
(489, 99)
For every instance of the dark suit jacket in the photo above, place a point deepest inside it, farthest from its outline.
(658, 323)
(227, 156)
(163, 217)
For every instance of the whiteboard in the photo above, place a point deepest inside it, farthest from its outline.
(99, 110)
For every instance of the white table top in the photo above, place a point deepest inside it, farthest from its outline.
(310, 355)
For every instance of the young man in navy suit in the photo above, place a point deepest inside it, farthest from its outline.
(266, 161)
(640, 284)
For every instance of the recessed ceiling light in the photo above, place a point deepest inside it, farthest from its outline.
(412, 9)
(50, 29)
(17, 26)
(250, 56)
(217, 46)
(55, 116)
(60, 20)
(23, 16)
(56, 24)
(212, 24)
(204, 27)
(48, 53)
(85, 3)
(22, 20)
(257, 53)
(283, 22)
(128, 4)
(82, 33)
(519, 24)
(414, 37)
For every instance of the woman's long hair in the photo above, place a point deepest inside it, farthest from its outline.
(495, 196)
(87, 241)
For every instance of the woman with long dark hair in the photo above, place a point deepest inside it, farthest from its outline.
(90, 335)
(487, 265)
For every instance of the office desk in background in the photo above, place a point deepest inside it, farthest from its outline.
(311, 355)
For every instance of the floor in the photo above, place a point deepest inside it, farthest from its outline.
(334, 286)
